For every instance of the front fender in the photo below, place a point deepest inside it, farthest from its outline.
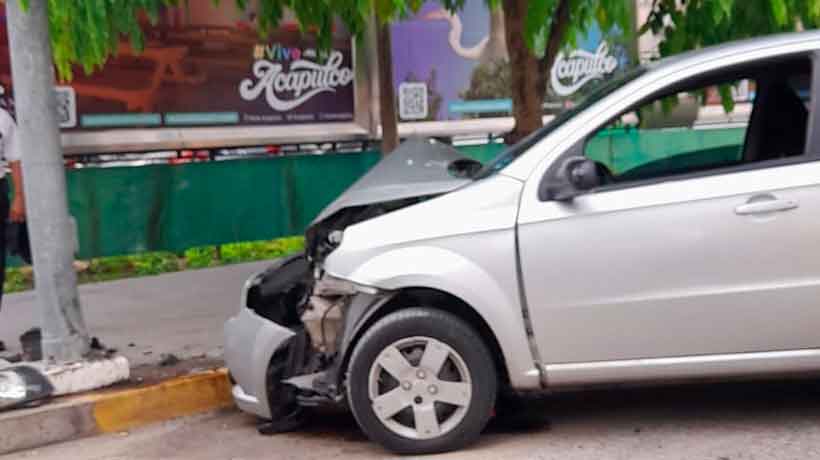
(492, 293)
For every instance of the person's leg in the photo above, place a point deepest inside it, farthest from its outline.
(4, 217)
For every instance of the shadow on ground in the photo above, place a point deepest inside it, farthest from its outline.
(635, 408)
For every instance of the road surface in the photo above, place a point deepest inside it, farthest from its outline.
(144, 318)
(711, 422)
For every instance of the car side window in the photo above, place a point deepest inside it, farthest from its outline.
(724, 123)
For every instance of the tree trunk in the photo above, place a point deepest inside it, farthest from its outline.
(387, 97)
(529, 74)
(64, 334)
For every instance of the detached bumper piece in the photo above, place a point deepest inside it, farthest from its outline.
(287, 414)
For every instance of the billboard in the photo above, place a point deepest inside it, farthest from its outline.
(455, 66)
(205, 65)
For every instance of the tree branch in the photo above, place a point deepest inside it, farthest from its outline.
(558, 28)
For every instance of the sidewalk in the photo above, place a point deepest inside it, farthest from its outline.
(144, 318)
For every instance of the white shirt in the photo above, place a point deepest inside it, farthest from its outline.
(9, 144)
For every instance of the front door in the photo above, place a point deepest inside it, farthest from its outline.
(701, 244)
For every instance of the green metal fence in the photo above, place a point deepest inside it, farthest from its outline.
(126, 210)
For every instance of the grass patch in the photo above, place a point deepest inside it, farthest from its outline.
(155, 263)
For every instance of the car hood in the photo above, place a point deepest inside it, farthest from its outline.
(417, 168)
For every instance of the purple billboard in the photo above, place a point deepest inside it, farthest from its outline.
(455, 66)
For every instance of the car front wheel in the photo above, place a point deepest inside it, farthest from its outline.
(421, 381)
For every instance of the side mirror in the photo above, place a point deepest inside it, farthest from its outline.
(575, 176)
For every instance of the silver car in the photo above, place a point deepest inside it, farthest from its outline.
(664, 229)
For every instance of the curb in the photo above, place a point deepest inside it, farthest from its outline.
(112, 412)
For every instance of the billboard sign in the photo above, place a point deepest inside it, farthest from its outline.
(205, 65)
(454, 66)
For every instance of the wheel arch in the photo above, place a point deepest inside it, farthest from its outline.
(440, 300)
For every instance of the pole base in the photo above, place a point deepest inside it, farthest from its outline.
(72, 348)
(86, 375)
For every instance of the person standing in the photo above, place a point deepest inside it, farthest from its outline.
(14, 211)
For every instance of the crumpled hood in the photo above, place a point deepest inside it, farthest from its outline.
(417, 168)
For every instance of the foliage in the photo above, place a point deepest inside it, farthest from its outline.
(699, 23)
(709, 22)
(155, 263)
(87, 32)
(607, 13)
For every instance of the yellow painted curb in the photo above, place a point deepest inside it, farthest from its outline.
(175, 398)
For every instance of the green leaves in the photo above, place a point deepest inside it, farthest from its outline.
(537, 24)
(87, 32)
(709, 22)
(779, 11)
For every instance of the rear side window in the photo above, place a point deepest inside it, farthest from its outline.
(692, 131)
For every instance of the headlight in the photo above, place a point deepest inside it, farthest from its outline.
(335, 237)
(250, 283)
(333, 285)
(22, 384)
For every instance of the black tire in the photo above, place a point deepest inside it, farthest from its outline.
(449, 330)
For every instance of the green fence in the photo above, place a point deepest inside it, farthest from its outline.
(625, 148)
(126, 210)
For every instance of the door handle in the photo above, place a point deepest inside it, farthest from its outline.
(765, 206)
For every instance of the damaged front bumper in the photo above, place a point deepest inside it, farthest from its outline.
(286, 346)
(249, 341)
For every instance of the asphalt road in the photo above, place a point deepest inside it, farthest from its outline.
(716, 422)
(143, 318)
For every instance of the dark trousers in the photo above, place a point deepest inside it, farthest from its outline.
(4, 218)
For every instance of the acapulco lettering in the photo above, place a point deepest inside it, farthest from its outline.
(288, 88)
(570, 73)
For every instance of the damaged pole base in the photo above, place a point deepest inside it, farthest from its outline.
(90, 374)
(34, 382)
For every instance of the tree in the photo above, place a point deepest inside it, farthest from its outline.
(698, 23)
(535, 32)
(87, 32)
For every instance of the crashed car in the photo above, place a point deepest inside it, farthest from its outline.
(627, 242)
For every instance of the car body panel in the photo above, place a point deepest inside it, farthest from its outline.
(423, 246)
(671, 269)
(250, 342)
(416, 168)
(684, 368)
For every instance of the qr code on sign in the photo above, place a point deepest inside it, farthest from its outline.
(66, 106)
(413, 101)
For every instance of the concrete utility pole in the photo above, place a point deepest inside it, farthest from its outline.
(65, 337)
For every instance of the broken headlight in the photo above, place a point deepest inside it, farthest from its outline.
(280, 292)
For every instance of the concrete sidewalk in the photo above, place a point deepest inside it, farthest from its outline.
(180, 313)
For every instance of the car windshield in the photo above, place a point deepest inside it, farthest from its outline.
(510, 154)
